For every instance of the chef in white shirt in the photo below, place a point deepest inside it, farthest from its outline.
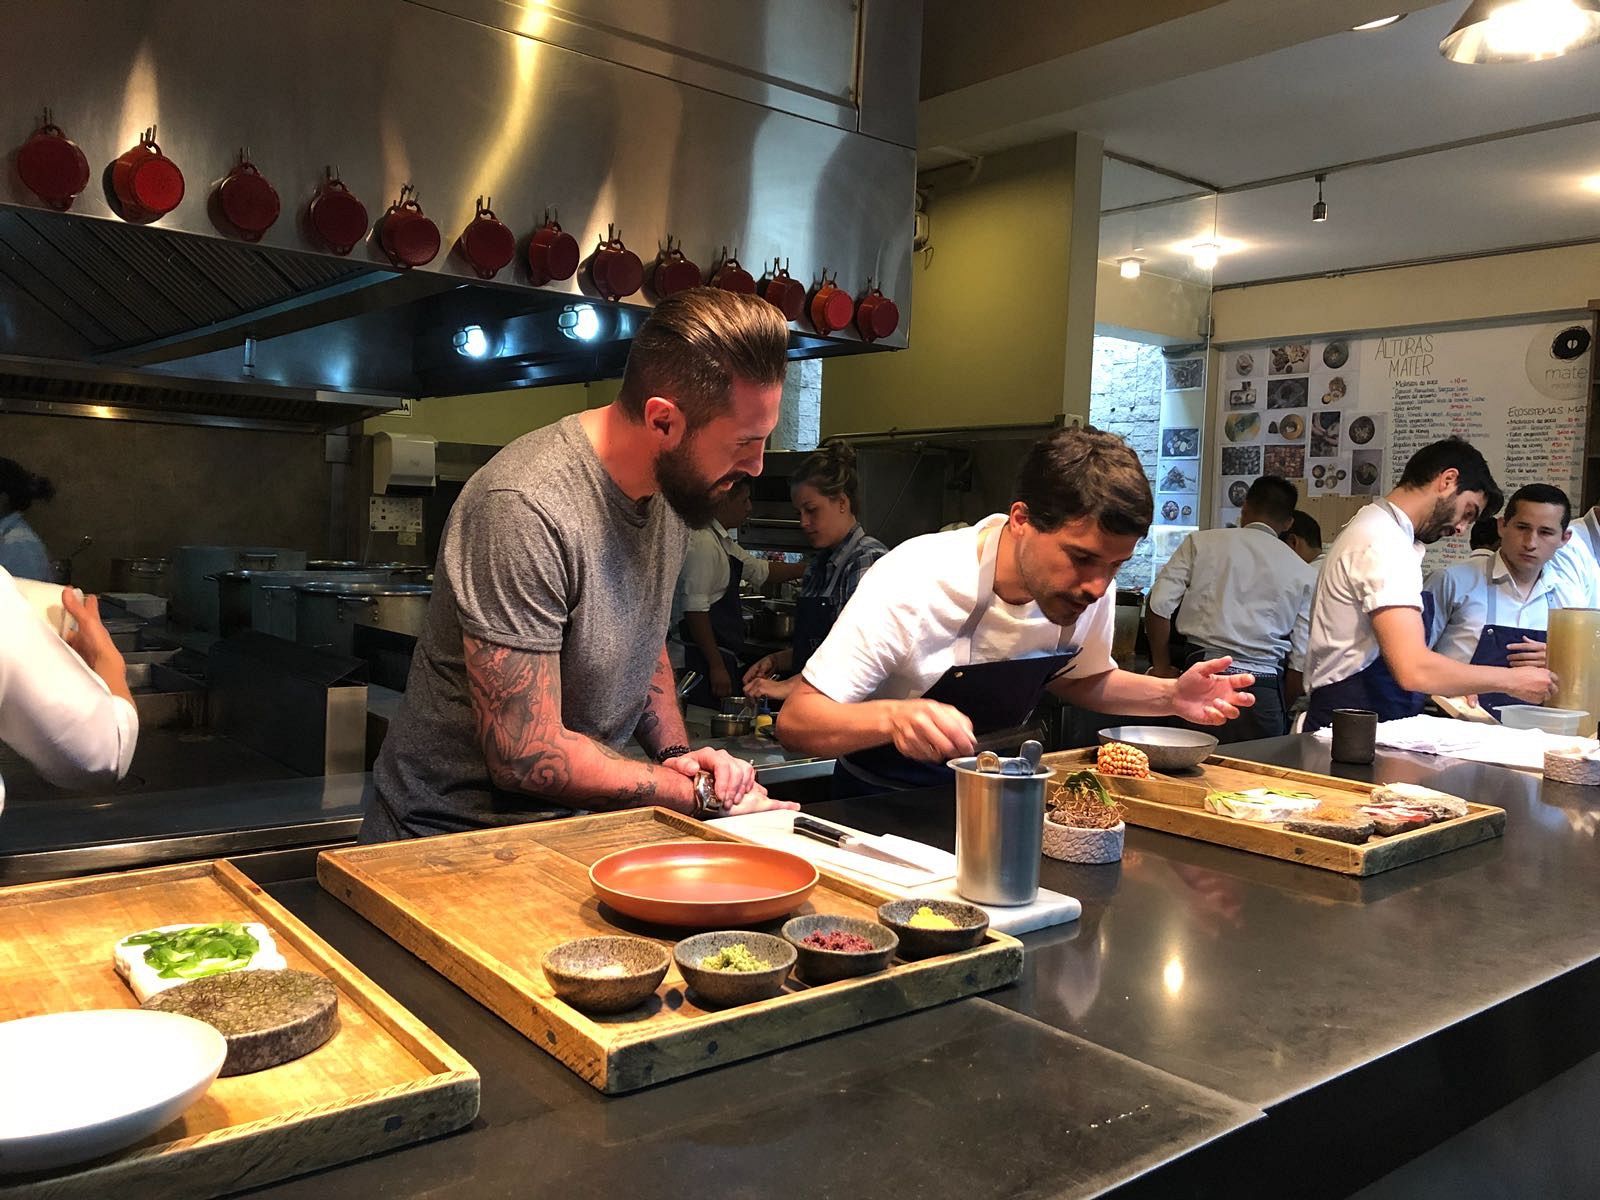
(1236, 592)
(1035, 582)
(1491, 609)
(706, 632)
(64, 703)
(1586, 532)
(1370, 618)
(1304, 537)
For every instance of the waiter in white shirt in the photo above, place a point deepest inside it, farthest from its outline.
(1236, 592)
(1370, 618)
(707, 627)
(992, 602)
(1586, 531)
(1493, 609)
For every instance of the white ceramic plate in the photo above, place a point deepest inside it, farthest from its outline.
(82, 1084)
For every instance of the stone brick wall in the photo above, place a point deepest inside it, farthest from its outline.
(1125, 399)
(800, 412)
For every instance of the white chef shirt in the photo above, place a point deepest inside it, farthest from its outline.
(55, 711)
(1301, 637)
(1481, 591)
(1586, 531)
(899, 632)
(1375, 562)
(704, 578)
(1240, 591)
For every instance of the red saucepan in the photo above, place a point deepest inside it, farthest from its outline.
(671, 271)
(730, 276)
(335, 216)
(408, 237)
(247, 201)
(877, 316)
(552, 253)
(703, 884)
(51, 165)
(147, 184)
(784, 291)
(487, 243)
(830, 306)
(614, 270)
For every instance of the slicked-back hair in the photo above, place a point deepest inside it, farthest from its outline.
(1272, 498)
(1085, 472)
(1540, 493)
(1434, 459)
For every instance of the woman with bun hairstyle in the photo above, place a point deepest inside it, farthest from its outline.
(21, 551)
(826, 491)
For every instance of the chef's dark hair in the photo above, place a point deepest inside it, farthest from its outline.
(21, 488)
(1272, 498)
(1435, 459)
(1485, 534)
(696, 344)
(831, 469)
(1304, 526)
(1085, 473)
(1541, 493)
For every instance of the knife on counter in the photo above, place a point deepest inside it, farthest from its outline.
(835, 835)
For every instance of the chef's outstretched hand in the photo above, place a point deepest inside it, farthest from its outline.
(932, 732)
(1206, 696)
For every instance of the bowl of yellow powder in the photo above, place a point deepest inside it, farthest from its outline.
(927, 928)
(733, 966)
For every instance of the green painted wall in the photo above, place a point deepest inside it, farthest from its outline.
(495, 418)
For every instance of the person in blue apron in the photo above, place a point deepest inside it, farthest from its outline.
(707, 630)
(1371, 615)
(826, 490)
(21, 551)
(1493, 609)
(991, 616)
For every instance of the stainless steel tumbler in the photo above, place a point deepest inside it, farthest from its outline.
(999, 834)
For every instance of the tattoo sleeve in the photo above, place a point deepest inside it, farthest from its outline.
(516, 700)
(661, 723)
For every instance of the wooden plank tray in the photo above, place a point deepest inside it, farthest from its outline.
(482, 908)
(1176, 804)
(384, 1080)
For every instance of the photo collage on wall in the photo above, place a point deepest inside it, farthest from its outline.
(1177, 489)
(1292, 408)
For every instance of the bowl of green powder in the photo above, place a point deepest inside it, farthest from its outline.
(733, 966)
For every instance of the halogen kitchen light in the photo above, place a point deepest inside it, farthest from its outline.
(1130, 267)
(1506, 31)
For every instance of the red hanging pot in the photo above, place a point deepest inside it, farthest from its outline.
(406, 234)
(672, 272)
(731, 277)
(147, 184)
(51, 165)
(877, 316)
(553, 253)
(248, 201)
(783, 291)
(336, 217)
(830, 307)
(614, 270)
(486, 243)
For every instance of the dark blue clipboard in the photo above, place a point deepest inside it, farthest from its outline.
(999, 695)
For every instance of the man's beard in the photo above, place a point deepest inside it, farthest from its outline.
(1061, 608)
(1441, 521)
(690, 496)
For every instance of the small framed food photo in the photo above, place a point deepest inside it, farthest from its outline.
(1234, 489)
(1331, 390)
(1367, 430)
(1242, 364)
(1242, 428)
(1243, 395)
(1287, 428)
(1288, 461)
(1290, 358)
(1185, 373)
(1288, 393)
(1178, 475)
(1180, 443)
(1366, 473)
(1335, 354)
(1241, 460)
(1326, 426)
(1330, 477)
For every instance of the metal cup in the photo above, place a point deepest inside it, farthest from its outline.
(999, 834)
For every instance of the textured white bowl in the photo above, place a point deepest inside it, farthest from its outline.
(81, 1084)
(1071, 844)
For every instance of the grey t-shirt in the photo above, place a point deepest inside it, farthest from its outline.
(544, 552)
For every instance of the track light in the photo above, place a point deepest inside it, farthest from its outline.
(1204, 255)
(1500, 31)
(1319, 210)
(1130, 267)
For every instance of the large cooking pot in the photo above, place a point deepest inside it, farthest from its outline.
(194, 593)
(233, 600)
(148, 575)
(326, 614)
(775, 621)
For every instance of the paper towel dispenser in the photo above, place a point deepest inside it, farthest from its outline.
(402, 463)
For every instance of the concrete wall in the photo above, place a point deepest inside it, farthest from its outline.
(1152, 307)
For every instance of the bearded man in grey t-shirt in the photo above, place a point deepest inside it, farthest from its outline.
(544, 647)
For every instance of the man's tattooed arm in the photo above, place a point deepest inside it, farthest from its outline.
(516, 698)
(661, 724)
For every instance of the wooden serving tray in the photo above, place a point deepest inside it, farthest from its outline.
(384, 1079)
(1176, 804)
(482, 908)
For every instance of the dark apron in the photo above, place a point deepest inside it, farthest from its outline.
(727, 626)
(1372, 687)
(1491, 651)
(813, 618)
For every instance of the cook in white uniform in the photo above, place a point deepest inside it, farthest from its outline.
(1035, 580)
(1304, 537)
(1586, 532)
(1236, 592)
(64, 704)
(1368, 645)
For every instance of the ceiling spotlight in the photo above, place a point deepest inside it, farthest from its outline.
(471, 341)
(1380, 23)
(581, 322)
(1204, 255)
(1319, 210)
(1504, 31)
(1130, 267)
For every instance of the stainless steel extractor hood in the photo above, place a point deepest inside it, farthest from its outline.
(762, 127)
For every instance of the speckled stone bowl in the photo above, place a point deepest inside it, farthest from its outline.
(573, 969)
(971, 924)
(719, 989)
(825, 966)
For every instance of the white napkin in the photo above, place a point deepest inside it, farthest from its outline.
(1494, 744)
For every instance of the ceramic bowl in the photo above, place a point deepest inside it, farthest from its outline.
(825, 966)
(1167, 749)
(584, 973)
(723, 988)
(971, 923)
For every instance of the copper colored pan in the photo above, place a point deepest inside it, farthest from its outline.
(703, 884)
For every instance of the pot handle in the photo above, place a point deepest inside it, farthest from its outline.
(343, 600)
